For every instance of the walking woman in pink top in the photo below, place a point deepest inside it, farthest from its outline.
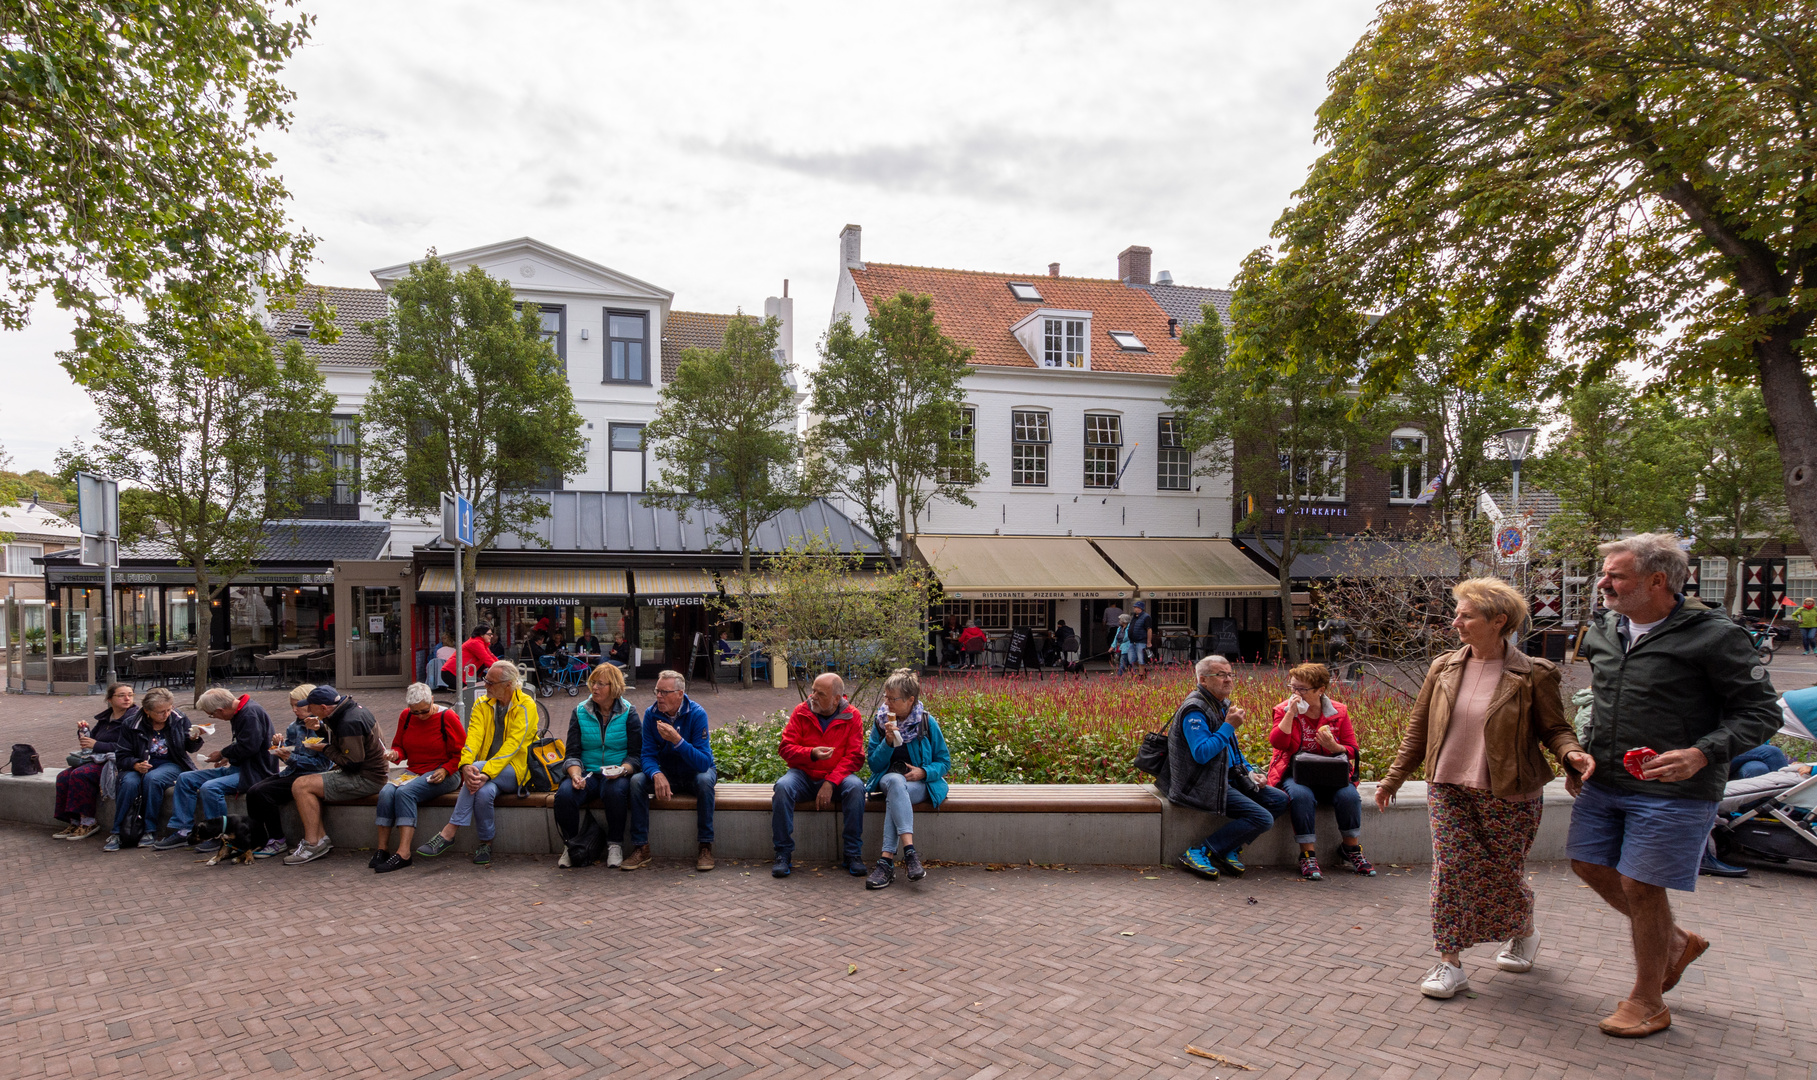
(1482, 716)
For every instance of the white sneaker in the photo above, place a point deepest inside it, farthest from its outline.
(615, 854)
(564, 861)
(1518, 954)
(309, 852)
(1444, 981)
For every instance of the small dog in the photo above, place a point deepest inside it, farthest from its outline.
(239, 838)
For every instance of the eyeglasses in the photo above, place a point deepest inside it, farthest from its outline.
(1299, 689)
(660, 692)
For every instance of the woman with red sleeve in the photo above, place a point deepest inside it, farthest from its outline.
(428, 743)
(1309, 722)
(475, 655)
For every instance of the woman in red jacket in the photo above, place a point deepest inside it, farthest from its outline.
(428, 742)
(475, 655)
(1309, 722)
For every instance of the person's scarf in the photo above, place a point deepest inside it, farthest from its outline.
(909, 727)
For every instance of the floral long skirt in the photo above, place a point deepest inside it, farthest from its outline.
(1479, 863)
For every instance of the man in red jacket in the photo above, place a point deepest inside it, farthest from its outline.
(823, 742)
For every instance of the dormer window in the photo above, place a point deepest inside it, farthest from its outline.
(1127, 341)
(1064, 343)
(1022, 290)
(300, 330)
(1056, 339)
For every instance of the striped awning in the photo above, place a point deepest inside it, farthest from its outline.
(675, 583)
(534, 585)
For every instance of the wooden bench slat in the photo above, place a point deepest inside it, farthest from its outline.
(960, 799)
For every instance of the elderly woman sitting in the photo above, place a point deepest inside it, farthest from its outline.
(428, 742)
(154, 749)
(498, 744)
(1310, 726)
(908, 760)
(605, 750)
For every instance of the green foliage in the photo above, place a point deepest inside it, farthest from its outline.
(219, 430)
(817, 605)
(467, 398)
(887, 404)
(1738, 497)
(128, 134)
(23, 487)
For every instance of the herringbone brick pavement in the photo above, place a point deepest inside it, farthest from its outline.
(141, 964)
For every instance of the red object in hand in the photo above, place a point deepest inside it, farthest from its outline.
(1636, 759)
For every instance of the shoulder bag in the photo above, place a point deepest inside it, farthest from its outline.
(1321, 770)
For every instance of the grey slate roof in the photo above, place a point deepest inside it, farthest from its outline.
(1187, 302)
(286, 542)
(352, 307)
(619, 522)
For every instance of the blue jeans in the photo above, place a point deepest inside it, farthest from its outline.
(397, 803)
(475, 807)
(209, 786)
(1249, 818)
(798, 787)
(900, 795)
(1759, 761)
(613, 794)
(1809, 634)
(154, 784)
(700, 785)
(1305, 800)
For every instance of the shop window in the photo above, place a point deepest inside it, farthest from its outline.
(1030, 613)
(991, 614)
(1800, 578)
(1173, 612)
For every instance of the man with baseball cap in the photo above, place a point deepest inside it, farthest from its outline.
(357, 752)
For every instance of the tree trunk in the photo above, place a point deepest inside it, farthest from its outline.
(204, 617)
(1731, 593)
(1787, 389)
(744, 653)
(1290, 640)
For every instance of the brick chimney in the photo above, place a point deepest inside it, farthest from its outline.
(1053, 269)
(1132, 264)
(850, 249)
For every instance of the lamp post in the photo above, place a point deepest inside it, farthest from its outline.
(1518, 441)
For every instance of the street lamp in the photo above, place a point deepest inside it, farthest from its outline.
(1518, 441)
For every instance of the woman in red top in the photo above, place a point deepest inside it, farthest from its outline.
(973, 642)
(428, 742)
(475, 655)
(1309, 722)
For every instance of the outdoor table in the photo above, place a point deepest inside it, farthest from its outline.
(284, 662)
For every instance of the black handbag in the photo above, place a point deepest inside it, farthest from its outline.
(1321, 770)
(587, 845)
(1151, 756)
(133, 827)
(25, 760)
(80, 757)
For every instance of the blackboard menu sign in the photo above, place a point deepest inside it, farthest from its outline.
(1018, 653)
(1223, 635)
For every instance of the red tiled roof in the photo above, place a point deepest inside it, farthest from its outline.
(691, 330)
(977, 309)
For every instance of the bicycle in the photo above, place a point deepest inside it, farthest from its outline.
(1763, 640)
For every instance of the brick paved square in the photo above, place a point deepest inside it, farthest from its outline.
(143, 964)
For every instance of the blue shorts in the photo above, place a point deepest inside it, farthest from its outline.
(1654, 839)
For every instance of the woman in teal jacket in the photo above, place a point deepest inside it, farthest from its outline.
(908, 760)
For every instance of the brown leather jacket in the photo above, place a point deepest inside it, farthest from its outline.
(1524, 714)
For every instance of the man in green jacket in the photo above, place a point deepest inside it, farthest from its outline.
(1678, 692)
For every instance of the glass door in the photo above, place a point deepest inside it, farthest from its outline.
(375, 635)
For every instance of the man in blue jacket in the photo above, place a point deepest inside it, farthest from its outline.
(677, 758)
(1208, 722)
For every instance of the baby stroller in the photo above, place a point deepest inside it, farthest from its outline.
(563, 671)
(1773, 817)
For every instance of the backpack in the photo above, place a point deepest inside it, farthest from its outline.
(544, 761)
(587, 845)
(134, 826)
(25, 760)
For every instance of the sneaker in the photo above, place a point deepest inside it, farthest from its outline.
(782, 867)
(1518, 954)
(436, 845)
(704, 861)
(882, 874)
(377, 860)
(1353, 858)
(1194, 861)
(113, 842)
(307, 852)
(855, 866)
(482, 855)
(1444, 981)
(208, 847)
(565, 862)
(63, 833)
(911, 862)
(83, 832)
(615, 855)
(638, 859)
(392, 862)
(1229, 864)
(1309, 869)
(172, 842)
(272, 847)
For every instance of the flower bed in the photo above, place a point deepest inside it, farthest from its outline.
(1075, 731)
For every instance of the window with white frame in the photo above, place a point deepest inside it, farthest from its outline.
(1713, 580)
(1800, 578)
(1064, 343)
(1321, 479)
(1103, 446)
(1030, 613)
(1407, 465)
(19, 559)
(1173, 462)
(960, 469)
(1173, 612)
(991, 614)
(1029, 436)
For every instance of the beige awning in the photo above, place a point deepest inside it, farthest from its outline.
(533, 585)
(675, 583)
(1179, 569)
(1020, 568)
(765, 585)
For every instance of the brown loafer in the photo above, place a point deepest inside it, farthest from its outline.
(638, 859)
(1629, 1021)
(705, 861)
(1694, 948)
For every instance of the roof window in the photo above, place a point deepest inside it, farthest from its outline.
(1127, 341)
(300, 330)
(1022, 290)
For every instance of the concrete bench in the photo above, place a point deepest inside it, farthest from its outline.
(1007, 823)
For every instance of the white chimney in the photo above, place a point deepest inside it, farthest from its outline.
(782, 309)
(850, 249)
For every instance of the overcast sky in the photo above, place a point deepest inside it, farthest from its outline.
(716, 149)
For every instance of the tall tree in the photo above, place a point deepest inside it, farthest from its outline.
(128, 139)
(217, 432)
(1596, 182)
(1268, 409)
(724, 439)
(468, 398)
(1738, 500)
(888, 431)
